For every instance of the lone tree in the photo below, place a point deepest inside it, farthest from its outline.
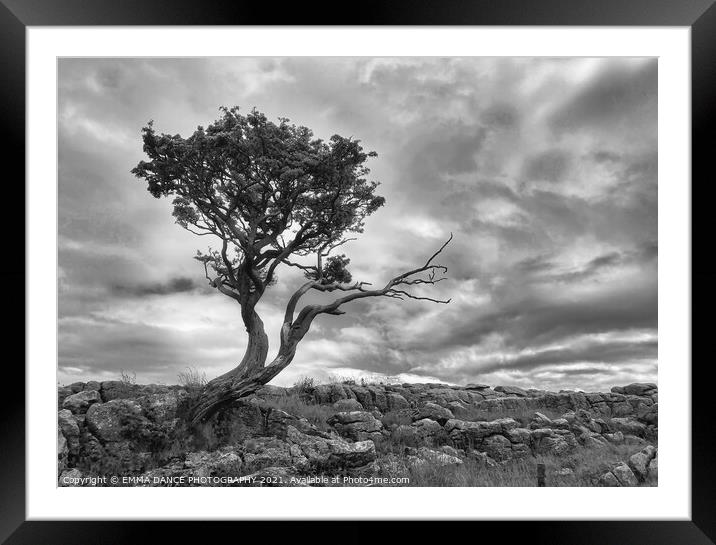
(271, 194)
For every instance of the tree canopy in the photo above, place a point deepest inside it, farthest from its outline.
(267, 190)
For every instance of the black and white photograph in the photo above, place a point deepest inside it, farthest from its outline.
(357, 272)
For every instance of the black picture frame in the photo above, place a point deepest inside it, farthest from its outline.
(699, 15)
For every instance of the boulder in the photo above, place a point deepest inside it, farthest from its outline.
(624, 475)
(497, 447)
(617, 437)
(627, 426)
(639, 388)
(62, 451)
(654, 467)
(378, 397)
(549, 441)
(92, 385)
(474, 386)
(447, 449)
(407, 436)
(639, 463)
(362, 395)
(223, 462)
(648, 413)
(81, 401)
(469, 435)
(116, 420)
(540, 420)
(520, 435)
(482, 459)
(347, 405)
(396, 402)
(560, 424)
(356, 425)
(593, 440)
(328, 455)
(70, 477)
(512, 390)
(262, 452)
(433, 458)
(427, 431)
(608, 479)
(162, 406)
(76, 387)
(433, 411)
(70, 430)
(443, 396)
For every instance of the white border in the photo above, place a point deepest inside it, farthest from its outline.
(670, 500)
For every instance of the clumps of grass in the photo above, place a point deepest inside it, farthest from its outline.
(296, 405)
(192, 379)
(127, 379)
(304, 385)
(340, 379)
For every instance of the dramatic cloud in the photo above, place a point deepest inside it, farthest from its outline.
(545, 171)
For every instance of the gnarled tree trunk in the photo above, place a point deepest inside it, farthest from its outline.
(252, 372)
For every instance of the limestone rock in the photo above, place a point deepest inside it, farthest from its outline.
(262, 452)
(627, 426)
(62, 451)
(356, 425)
(654, 467)
(70, 430)
(70, 477)
(639, 462)
(81, 401)
(624, 475)
(116, 419)
(608, 479)
(396, 402)
(549, 441)
(348, 405)
(323, 455)
(427, 430)
(512, 390)
(539, 420)
(425, 456)
(639, 388)
(434, 412)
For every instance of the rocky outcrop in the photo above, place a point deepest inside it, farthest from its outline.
(357, 425)
(141, 430)
(81, 401)
(435, 412)
(637, 469)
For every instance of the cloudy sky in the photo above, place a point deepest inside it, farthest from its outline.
(545, 170)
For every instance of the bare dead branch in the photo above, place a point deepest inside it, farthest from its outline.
(311, 311)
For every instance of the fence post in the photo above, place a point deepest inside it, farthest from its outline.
(540, 474)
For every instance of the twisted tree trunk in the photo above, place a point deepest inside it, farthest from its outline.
(252, 373)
